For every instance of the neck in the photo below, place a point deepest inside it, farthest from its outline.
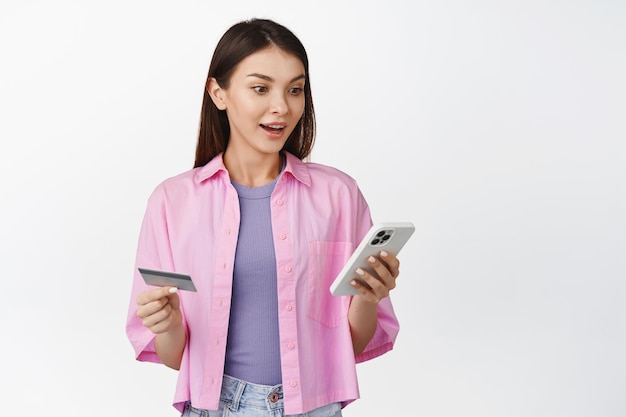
(252, 170)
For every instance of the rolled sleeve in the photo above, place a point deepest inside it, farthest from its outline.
(386, 332)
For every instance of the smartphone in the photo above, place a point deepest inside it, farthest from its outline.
(167, 279)
(390, 237)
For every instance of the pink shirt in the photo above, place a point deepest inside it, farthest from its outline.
(318, 218)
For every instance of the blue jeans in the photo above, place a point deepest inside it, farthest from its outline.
(243, 399)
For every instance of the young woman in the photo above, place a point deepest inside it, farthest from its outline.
(262, 234)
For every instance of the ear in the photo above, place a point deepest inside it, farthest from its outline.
(216, 92)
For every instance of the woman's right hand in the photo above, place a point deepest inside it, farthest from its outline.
(159, 309)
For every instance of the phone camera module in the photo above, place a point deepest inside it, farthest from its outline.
(381, 237)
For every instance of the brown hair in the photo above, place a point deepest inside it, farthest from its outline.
(238, 42)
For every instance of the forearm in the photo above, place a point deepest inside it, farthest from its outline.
(362, 317)
(170, 346)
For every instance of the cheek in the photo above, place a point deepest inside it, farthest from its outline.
(245, 110)
(298, 108)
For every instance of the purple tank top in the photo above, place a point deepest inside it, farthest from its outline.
(253, 350)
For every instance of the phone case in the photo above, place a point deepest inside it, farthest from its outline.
(383, 236)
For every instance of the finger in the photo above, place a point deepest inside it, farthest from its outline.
(162, 326)
(173, 298)
(152, 307)
(377, 286)
(153, 295)
(384, 274)
(365, 292)
(393, 263)
(157, 317)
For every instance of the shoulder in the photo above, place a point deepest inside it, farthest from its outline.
(315, 174)
(326, 175)
(193, 179)
(330, 184)
(177, 181)
(175, 188)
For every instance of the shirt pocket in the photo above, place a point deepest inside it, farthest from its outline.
(326, 259)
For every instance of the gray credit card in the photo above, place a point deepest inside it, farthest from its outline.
(167, 279)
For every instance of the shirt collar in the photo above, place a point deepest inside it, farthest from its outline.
(294, 166)
(297, 168)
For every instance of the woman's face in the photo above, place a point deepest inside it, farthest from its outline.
(264, 101)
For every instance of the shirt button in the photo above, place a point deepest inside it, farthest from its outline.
(289, 307)
(288, 269)
(290, 345)
(293, 384)
(279, 202)
(283, 236)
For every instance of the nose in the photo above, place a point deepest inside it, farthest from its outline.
(279, 105)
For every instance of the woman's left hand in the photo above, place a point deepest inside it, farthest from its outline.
(386, 270)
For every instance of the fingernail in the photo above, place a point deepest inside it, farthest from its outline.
(353, 283)
(360, 271)
(371, 259)
(384, 253)
(173, 290)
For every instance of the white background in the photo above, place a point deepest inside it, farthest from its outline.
(497, 127)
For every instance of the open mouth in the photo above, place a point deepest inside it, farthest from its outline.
(273, 128)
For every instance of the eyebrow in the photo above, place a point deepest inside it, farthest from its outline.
(270, 79)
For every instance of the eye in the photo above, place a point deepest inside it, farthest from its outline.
(260, 89)
(295, 91)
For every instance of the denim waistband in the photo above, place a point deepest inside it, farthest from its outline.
(257, 399)
(236, 393)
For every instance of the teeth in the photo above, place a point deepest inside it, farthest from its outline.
(275, 127)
